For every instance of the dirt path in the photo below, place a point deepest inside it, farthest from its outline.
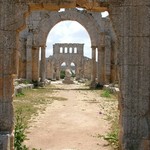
(71, 124)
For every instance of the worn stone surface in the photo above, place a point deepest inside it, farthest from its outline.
(130, 20)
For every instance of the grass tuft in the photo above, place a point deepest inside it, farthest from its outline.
(106, 93)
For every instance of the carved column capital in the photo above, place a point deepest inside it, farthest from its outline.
(93, 47)
(43, 46)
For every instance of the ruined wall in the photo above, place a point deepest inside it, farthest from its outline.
(68, 53)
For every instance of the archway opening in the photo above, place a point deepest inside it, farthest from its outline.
(62, 70)
(73, 69)
(69, 41)
(68, 32)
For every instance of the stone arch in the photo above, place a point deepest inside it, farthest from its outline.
(83, 17)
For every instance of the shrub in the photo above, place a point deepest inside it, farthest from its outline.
(20, 127)
(112, 138)
(62, 74)
(19, 94)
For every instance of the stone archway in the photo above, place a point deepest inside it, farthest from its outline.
(131, 22)
(82, 17)
(39, 23)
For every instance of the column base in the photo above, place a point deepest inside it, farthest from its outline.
(6, 141)
(141, 144)
(35, 83)
(93, 84)
(96, 85)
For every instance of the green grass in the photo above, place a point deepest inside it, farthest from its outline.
(106, 93)
(31, 101)
(113, 135)
(19, 94)
(112, 115)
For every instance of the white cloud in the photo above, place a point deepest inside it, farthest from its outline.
(69, 32)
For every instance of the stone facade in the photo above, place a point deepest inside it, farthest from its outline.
(68, 53)
(130, 20)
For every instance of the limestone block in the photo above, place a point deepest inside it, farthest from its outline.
(6, 116)
(5, 141)
(19, 88)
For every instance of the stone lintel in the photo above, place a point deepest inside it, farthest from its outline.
(57, 4)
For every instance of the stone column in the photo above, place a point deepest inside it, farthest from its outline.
(43, 64)
(114, 60)
(58, 73)
(107, 59)
(22, 68)
(35, 64)
(101, 64)
(52, 70)
(29, 57)
(132, 23)
(93, 64)
(8, 68)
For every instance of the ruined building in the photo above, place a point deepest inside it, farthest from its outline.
(24, 26)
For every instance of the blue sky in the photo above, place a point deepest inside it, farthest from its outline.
(69, 32)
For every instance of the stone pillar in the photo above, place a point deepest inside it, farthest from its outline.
(8, 68)
(93, 64)
(57, 73)
(43, 64)
(107, 61)
(21, 68)
(114, 60)
(52, 70)
(132, 23)
(29, 57)
(35, 64)
(101, 64)
(18, 63)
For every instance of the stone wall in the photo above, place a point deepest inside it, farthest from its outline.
(66, 53)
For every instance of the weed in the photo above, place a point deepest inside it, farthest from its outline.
(33, 101)
(106, 93)
(112, 115)
(112, 138)
(20, 127)
(19, 94)
(26, 82)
